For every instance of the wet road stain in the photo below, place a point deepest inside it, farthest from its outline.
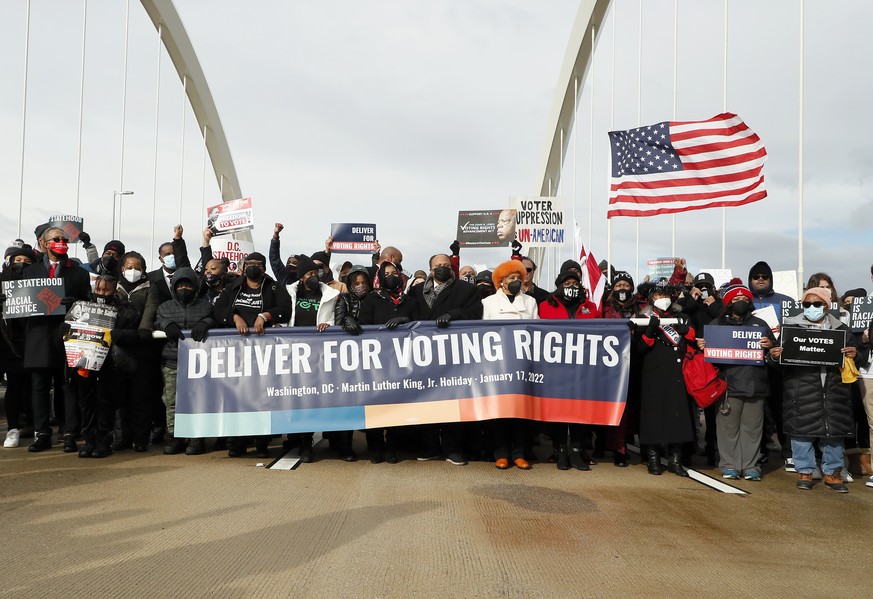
(538, 499)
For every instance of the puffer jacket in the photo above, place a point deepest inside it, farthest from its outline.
(810, 409)
(747, 381)
(186, 316)
(349, 304)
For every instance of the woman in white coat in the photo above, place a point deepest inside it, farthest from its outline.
(508, 435)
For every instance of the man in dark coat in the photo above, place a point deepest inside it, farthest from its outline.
(442, 298)
(173, 255)
(817, 404)
(44, 352)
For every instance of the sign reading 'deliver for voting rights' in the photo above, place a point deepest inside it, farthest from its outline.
(72, 225)
(296, 379)
(539, 221)
(230, 217)
(232, 249)
(33, 297)
(812, 347)
(486, 228)
(733, 345)
(353, 238)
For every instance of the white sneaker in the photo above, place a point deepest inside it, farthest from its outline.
(789, 465)
(870, 482)
(847, 476)
(12, 437)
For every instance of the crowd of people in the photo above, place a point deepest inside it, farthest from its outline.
(812, 413)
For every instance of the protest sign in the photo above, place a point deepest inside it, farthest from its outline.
(485, 228)
(539, 221)
(234, 250)
(733, 345)
(88, 339)
(661, 268)
(768, 315)
(297, 380)
(33, 297)
(795, 308)
(72, 225)
(812, 347)
(353, 238)
(785, 282)
(860, 314)
(230, 217)
(719, 275)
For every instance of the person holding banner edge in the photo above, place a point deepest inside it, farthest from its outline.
(816, 402)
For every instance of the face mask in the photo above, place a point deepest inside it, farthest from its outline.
(740, 308)
(132, 275)
(58, 248)
(571, 292)
(291, 269)
(169, 262)
(663, 303)
(185, 295)
(324, 276)
(392, 282)
(254, 272)
(442, 273)
(361, 290)
(704, 293)
(312, 283)
(468, 278)
(102, 299)
(813, 314)
(513, 288)
(213, 280)
(17, 267)
(110, 262)
(622, 295)
(485, 291)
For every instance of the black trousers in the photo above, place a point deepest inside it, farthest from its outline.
(96, 403)
(508, 437)
(17, 399)
(41, 381)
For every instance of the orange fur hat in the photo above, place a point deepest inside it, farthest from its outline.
(504, 270)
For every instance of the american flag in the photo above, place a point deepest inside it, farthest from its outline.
(678, 166)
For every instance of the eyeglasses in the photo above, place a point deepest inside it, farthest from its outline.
(529, 269)
(57, 239)
(760, 277)
(810, 304)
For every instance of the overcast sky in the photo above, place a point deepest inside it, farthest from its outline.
(403, 113)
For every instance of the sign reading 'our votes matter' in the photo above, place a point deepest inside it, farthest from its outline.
(812, 347)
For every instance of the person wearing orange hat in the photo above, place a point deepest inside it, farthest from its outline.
(739, 420)
(816, 403)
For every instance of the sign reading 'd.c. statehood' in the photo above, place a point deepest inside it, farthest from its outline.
(296, 380)
(33, 297)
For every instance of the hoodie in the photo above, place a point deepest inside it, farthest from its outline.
(768, 297)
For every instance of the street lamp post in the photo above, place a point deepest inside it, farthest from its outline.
(116, 194)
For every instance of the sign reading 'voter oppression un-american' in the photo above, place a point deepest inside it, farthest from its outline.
(734, 345)
(297, 380)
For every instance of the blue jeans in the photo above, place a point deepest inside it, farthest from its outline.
(833, 454)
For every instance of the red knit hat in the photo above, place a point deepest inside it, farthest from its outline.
(733, 291)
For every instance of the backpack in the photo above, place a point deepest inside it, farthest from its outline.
(703, 380)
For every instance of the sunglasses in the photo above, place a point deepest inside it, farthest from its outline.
(810, 304)
(57, 239)
(760, 277)
(529, 269)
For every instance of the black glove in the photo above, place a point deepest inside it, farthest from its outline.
(681, 328)
(174, 332)
(351, 326)
(444, 320)
(68, 301)
(632, 325)
(652, 327)
(85, 239)
(64, 329)
(2, 298)
(199, 330)
(455, 248)
(516, 247)
(397, 320)
(124, 336)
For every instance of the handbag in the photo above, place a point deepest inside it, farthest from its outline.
(703, 380)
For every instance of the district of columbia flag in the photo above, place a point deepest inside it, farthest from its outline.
(679, 166)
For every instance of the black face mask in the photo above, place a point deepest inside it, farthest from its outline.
(442, 273)
(741, 308)
(110, 262)
(312, 283)
(186, 296)
(102, 299)
(17, 267)
(213, 280)
(571, 293)
(254, 272)
(513, 288)
(485, 291)
(622, 296)
(392, 282)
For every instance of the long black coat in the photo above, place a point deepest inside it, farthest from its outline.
(810, 409)
(665, 409)
(43, 347)
(460, 299)
(378, 308)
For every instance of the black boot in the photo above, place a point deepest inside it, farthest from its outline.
(674, 462)
(88, 448)
(306, 449)
(103, 448)
(237, 447)
(653, 461)
(578, 459)
(563, 458)
(174, 445)
(196, 447)
(70, 443)
(620, 459)
(262, 447)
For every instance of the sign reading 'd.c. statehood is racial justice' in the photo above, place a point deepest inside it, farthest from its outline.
(296, 380)
(860, 313)
(734, 345)
(353, 238)
(33, 297)
(812, 347)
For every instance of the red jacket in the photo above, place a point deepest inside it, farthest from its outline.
(558, 312)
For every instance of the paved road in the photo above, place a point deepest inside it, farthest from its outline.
(148, 525)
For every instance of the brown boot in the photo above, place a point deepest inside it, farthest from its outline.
(835, 481)
(804, 481)
(866, 467)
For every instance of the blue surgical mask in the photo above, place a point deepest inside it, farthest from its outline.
(813, 314)
(170, 262)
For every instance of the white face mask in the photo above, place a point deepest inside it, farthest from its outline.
(663, 303)
(133, 275)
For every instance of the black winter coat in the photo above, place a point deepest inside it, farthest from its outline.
(378, 308)
(274, 296)
(810, 409)
(745, 380)
(43, 347)
(186, 316)
(460, 299)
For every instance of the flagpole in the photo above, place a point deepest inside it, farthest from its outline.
(800, 167)
(611, 127)
(724, 109)
(575, 159)
(639, 116)
(675, 78)
(591, 149)
(24, 115)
